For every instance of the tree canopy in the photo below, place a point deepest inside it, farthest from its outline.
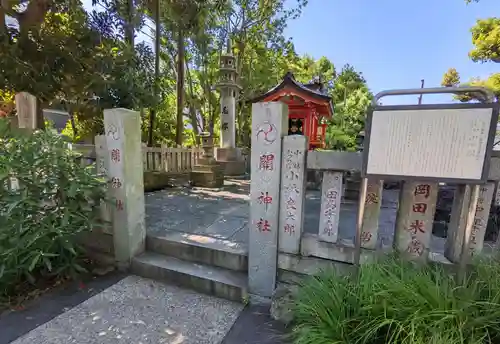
(86, 61)
(486, 41)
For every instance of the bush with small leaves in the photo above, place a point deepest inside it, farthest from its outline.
(46, 199)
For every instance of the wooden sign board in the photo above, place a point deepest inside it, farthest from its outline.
(449, 143)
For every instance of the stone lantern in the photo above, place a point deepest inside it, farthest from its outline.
(228, 155)
(207, 172)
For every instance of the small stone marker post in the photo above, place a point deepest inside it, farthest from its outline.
(373, 202)
(331, 195)
(415, 219)
(269, 123)
(291, 220)
(454, 241)
(123, 139)
(26, 106)
(481, 218)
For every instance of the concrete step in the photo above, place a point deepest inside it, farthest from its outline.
(211, 280)
(199, 249)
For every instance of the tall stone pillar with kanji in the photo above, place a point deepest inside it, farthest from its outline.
(269, 125)
(125, 173)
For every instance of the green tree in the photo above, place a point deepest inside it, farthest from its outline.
(486, 42)
(351, 98)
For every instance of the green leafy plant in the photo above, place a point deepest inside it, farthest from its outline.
(46, 199)
(393, 301)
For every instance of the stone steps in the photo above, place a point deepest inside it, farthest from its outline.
(211, 280)
(206, 264)
(199, 249)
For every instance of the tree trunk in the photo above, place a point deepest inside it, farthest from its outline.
(129, 24)
(152, 112)
(40, 119)
(180, 87)
(192, 110)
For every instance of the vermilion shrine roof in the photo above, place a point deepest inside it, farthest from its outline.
(313, 91)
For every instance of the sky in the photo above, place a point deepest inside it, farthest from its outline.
(395, 43)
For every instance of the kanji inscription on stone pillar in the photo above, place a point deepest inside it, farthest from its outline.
(331, 195)
(269, 123)
(481, 218)
(292, 195)
(415, 218)
(373, 201)
(126, 184)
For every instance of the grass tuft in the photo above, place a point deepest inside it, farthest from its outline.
(396, 301)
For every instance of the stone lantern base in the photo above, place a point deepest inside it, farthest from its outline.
(207, 172)
(208, 176)
(231, 160)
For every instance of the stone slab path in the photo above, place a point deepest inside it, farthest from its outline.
(140, 311)
(223, 213)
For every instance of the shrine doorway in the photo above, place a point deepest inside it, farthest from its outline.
(295, 126)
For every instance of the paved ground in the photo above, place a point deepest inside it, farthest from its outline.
(140, 311)
(133, 310)
(224, 213)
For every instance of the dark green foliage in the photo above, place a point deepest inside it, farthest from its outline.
(398, 302)
(56, 199)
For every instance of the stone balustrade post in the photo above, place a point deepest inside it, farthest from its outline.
(415, 219)
(293, 193)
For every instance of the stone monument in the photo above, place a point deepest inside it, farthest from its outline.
(207, 172)
(227, 154)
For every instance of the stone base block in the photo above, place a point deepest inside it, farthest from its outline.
(210, 176)
(228, 154)
(233, 168)
(156, 181)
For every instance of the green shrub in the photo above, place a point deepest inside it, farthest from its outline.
(394, 301)
(55, 200)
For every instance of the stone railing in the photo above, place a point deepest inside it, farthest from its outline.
(402, 219)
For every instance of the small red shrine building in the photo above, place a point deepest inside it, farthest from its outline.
(308, 107)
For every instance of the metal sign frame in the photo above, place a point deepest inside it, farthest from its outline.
(489, 143)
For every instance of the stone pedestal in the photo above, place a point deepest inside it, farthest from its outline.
(231, 160)
(207, 173)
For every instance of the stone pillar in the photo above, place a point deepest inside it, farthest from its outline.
(373, 201)
(26, 106)
(456, 229)
(331, 195)
(292, 194)
(123, 139)
(415, 219)
(228, 119)
(102, 162)
(481, 218)
(269, 124)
